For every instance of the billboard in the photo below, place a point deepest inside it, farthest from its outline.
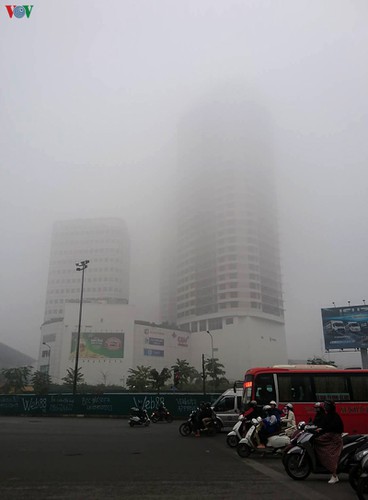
(98, 345)
(345, 327)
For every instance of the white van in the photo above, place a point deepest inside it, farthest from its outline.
(228, 407)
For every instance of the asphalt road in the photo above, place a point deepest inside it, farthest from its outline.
(85, 458)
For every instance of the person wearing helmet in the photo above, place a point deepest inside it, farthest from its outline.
(275, 411)
(207, 415)
(268, 427)
(289, 419)
(252, 411)
(328, 444)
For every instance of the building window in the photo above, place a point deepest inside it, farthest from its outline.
(229, 321)
(194, 326)
(202, 325)
(215, 324)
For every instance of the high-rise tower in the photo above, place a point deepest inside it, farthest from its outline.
(105, 243)
(224, 249)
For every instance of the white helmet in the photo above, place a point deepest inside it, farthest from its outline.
(273, 403)
(267, 407)
(290, 406)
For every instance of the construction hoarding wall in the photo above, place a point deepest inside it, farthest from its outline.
(180, 405)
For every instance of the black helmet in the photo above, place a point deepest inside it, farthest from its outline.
(253, 403)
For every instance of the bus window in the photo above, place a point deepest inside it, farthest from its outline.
(359, 387)
(294, 387)
(333, 387)
(264, 388)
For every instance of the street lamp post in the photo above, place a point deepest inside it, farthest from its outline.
(213, 361)
(81, 266)
(48, 364)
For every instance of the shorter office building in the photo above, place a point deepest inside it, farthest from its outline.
(111, 342)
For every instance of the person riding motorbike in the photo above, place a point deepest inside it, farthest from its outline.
(268, 427)
(162, 410)
(289, 419)
(275, 411)
(141, 412)
(207, 415)
(197, 420)
(252, 411)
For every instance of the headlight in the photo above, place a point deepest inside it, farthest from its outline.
(360, 455)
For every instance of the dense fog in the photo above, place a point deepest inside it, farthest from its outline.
(92, 98)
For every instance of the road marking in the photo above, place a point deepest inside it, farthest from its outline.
(280, 478)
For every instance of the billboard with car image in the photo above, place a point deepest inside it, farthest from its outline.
(345, 327)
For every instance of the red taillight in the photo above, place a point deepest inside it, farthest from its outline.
(246, 385)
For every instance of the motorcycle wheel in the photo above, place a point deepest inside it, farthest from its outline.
(232, 441)
(295, 469)
(243, 450)
(169, 419)
(185, 429)
(131, 423)
(362, 489)
(211, 431)
(218, 425)
(354, 475)
(154, 419)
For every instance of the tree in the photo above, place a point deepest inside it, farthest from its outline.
(15, 379)
(320, 361)
(187, 373)
(41, 382)
(139, 378)
(215, 370)
(68, 380)
(158, 379)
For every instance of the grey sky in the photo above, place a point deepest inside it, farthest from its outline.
(92, 93)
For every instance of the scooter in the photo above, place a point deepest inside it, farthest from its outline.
(301, 459)
(237, 433)
(138, 417)
(275, 444)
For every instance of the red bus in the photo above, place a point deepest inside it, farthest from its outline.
(304, 385)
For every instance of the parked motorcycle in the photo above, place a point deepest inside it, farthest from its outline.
(301, 459)
(161, 415)
(190, 426)
(138, 417)
(247, 445)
